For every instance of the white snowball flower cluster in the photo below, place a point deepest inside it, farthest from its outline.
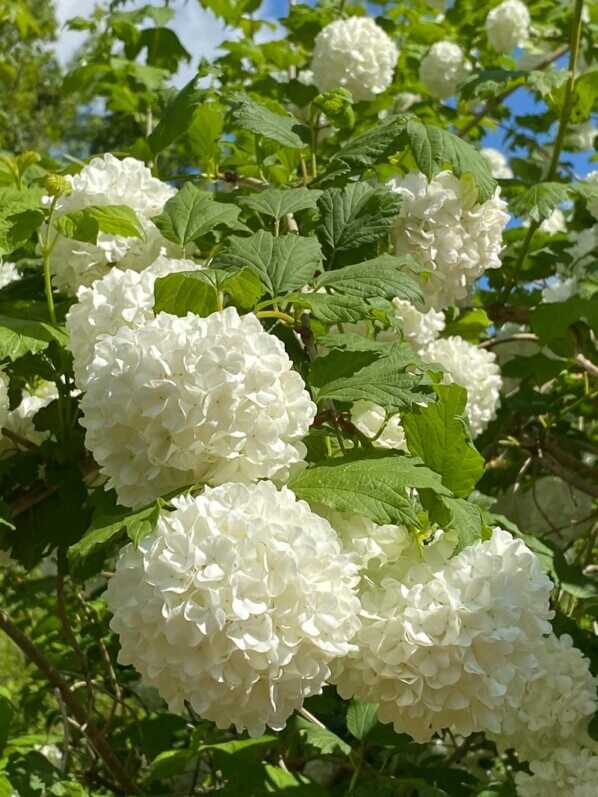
(419, 328)
(120, 299)
(554, 223)
(507, 25)
(373, 545)
(559, 290)
(20, 421)
(181, 400)
(8, 273)
(238, 602)
(448, 642)
(499, 165)
(570, 771)
(558, 701)
(442, 69)
(4, 381)
(592, 178)
(474, 369)
(582, 136)
(110, 181)
(448, 232)
(354, 53)
(370, 419)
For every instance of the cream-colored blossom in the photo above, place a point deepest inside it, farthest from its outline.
(507, 25)
(442, 69)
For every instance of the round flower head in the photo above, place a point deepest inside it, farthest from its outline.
(443, 226)
(370, 419)
(443, 68)
(581, 137)
(558, 702)
(448, 642)
(474, 369)
(3, 398)
(354, 53)
(499, 165)
(182, 400)
(570, 771)
(418, 328)
(507, 26)
(120, 299)
(237, 603)
(372, 545)
(554, 223)
(8, 273)
(110, 181)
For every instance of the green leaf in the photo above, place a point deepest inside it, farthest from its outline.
(205, 133)
(438, 435)
(176, 116)
(321, 739)
(6, 716)
(361, 718)
(17, 229)
(78, 226)
(169, 764)
(250, 115)
(491, 82)
(339, 364)
(354, 218)
(551, 321)
(105, 531)
(116, 220)
(434, 148)
(546, 82)
(470, 325)
(464, 517)
(193, 213)
(185, 292)
(19, 336)
(540, 200)
(353, 342)
(283, 264)
(386, 382)
(385, 276)
(333, 308)
(277, 203)
(375, 485)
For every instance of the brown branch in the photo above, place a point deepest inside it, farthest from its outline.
(587, 365)
(88, 727)
(72, 639)
(19, 439)
(44, 491)
(493, 104)
(499, 313)
(567, 475)
(569, 461)
(490, 344)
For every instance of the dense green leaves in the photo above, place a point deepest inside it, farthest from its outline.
(276, 203)
(283, 264)
(385, 276)
(176, 116)
(19, 336)
(198, 291)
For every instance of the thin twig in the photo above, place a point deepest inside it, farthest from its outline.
(64, 764)
(88, 727)
(19, 439)
(587, 365)
(490, 344)
(72, 639)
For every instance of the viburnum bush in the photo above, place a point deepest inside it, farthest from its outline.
(298, 400)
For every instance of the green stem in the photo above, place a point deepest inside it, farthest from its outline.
(46, 249)
(288, 319)
(563, 121)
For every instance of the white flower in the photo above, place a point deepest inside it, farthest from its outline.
(306, 77)
(448, 232)
(570, 771)
(110, 181)
(372, 545)
(443, 68)
(419, 328)
(507, 26)
(119, 299)
(181, 400)
(20, 421)
(354, 53)
(592, 178)
(370, 419)
(558, 701)
(581, 137)
(3, 398)
(238, 602)
(51, 752)
(584, 245)
(448, 642)
(554, 223)
(474, 369)
(8, 273)
(499, 165)
(559, 290)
